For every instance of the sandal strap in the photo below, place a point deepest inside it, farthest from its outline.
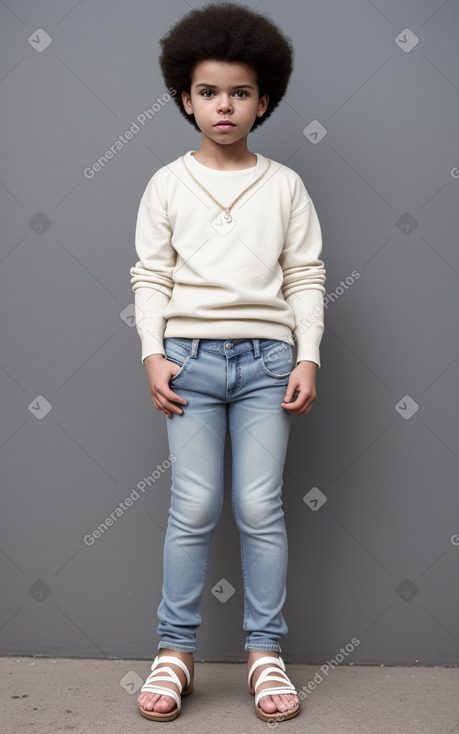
(159, 659)
(262, 661)
(165, 672)
(162, 674)
(264, 676)
(147, 688)
(270, 691)
(284, 684)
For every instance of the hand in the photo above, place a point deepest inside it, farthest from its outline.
(159, 372)
(303, 380)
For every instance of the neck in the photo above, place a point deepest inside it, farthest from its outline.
(232, 157)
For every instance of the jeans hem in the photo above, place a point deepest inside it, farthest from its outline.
(263, 647)
(174, 646)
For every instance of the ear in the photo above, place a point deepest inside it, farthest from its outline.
(186, 101)
(263, 105)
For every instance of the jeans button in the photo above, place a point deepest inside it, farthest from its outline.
(228, 345)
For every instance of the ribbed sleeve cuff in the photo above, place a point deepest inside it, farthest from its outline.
(309, 352)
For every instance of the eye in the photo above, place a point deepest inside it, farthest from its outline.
(205, 92)
(243, 92)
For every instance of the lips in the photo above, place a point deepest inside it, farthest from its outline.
(225, 124)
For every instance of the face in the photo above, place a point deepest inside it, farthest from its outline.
(224, 92)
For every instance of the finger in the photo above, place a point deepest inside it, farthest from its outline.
(161, 404)
(173, 396)
(164, 394)
(307, 405)
(290, 392)
(294, 399)
(291, 407)
(168, 406)
(170, 409)
(301, 405)
(156, 403)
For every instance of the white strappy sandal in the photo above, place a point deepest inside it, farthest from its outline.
(166, 673)
(286, 687)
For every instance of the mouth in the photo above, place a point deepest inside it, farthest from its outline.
(225, 125)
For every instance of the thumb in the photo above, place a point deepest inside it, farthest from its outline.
(288, 394)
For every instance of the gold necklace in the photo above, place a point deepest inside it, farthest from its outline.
(226, 209)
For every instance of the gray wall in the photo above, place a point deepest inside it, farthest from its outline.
(377, 560)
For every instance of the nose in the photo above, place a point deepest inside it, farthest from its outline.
(224, 102)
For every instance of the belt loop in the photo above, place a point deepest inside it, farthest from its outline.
(256, 347)
(194, 347)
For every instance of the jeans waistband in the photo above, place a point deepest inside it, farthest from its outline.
(222, 346)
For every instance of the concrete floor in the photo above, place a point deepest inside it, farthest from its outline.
(52, 695)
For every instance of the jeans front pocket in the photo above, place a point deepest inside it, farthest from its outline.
(277, 358)
(177, 353)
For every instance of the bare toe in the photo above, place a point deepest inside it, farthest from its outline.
(280, 702)
(267, 704)
(148, 700)
(164, 704)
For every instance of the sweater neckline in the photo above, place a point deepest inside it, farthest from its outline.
(189, 158)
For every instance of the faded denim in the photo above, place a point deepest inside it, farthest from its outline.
(239, 384)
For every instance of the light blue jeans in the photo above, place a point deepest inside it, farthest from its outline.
(242, 383)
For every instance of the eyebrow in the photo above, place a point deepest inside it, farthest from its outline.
(236, 86)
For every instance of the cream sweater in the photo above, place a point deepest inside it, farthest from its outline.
(199, 276)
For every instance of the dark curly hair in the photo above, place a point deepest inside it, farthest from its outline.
(227, 32)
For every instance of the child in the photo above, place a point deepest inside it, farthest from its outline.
(227, 284)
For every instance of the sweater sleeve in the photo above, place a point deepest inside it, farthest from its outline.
(304, 274)
(151, 277)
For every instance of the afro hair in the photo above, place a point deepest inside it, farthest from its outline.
(227, 32)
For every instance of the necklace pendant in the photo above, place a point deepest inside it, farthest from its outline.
(223, 223)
